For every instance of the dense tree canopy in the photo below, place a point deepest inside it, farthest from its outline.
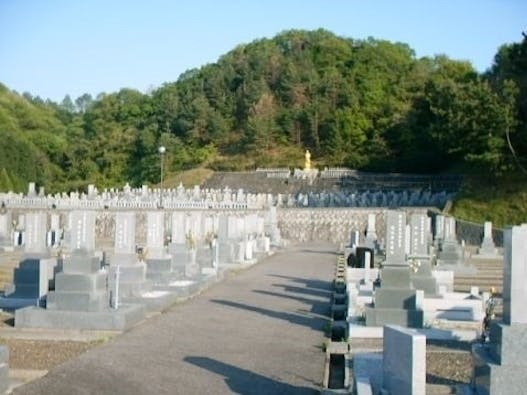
(368, 104)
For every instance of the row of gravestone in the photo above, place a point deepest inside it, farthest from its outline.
(499, 367)
(140, 198)
(203, 225)
(413, 198)
(89, 292)
(411, 249)
(179, 198)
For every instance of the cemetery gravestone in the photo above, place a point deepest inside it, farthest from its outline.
(395, 302)
(422, 277)
(488, 249)
(80, 299)
(6, 230)
(125, 270)
(371, 235)
(450, 252)
(404, 361)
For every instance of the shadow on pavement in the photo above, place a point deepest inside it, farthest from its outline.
(309, 283)
(317, 306)
(242, 381)
(316, 323)
(303, 290)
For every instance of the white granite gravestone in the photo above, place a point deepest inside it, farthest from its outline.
(155, 235)
(450, 252)
(422, 277)
(178, 228)
(54, 235)
(131, 280)
(35, 235)
(395, 238)
(488, 249)
(404, 361)
(124, 238)
(418, 236)
(371, 234)
(82, 230)
(6, 231)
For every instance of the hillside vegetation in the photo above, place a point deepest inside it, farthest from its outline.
(366, 104)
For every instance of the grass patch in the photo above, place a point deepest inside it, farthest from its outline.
(188, 178)
(502, 201)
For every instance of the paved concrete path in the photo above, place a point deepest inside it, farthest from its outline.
(258, 332)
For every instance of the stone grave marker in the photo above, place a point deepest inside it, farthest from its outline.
(395, 302)
(82, 230)
(371, 234)
(422, 277)
(126, 272)
(6, 230)
(404, 361)
(488, 249)
(35, 234)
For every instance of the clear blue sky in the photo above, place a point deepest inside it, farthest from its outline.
(54, 47)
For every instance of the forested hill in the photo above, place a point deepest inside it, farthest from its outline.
(366, 104)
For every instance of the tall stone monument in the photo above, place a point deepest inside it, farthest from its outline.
(420, 262)
(450, 251)
(371, 235)
(500, 367)
(6, 230)
(131, 278)
(395, 301)
(488, 249)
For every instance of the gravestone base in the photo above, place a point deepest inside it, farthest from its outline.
(192, 270)
(395, 302)
(161, 271)
(424, 279)
(155, 300)
(121, 319)
(30, 283)
(13, 303)
(376, 316)
(77, 301)
(181, 288)
(132, 280)
(227, 252)
(451, 253)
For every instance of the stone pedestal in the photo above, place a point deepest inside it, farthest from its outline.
(423, 278)
(30, 283)
(81, 286)
(488, 249)
(395, 302)
(80, 300)
(132, 276)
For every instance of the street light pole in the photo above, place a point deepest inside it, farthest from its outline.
(162, 150)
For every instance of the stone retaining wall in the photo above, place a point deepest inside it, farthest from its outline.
(330, 224)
